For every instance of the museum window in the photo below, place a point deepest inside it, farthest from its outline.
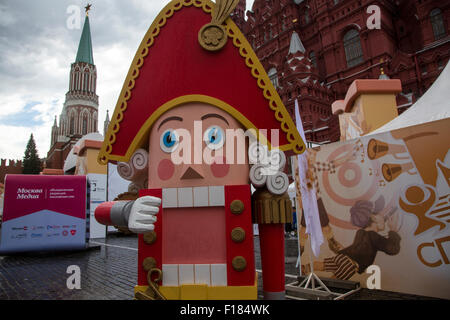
(438, 24)
(312, 57)
(353, 49)
(273, 77)
(424, 69)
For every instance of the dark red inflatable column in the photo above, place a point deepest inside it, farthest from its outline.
(271, 237)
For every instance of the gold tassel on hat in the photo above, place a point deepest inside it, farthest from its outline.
(213, 36)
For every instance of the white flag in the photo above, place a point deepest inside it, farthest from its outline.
(309, 200)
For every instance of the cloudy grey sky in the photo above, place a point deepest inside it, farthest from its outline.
(37, 47)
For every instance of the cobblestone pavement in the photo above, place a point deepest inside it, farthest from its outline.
(108, 272)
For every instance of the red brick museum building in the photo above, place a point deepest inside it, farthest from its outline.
(313, 50)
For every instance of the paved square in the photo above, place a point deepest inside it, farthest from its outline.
(108, 273)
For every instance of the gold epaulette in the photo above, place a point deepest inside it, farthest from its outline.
(269, 208)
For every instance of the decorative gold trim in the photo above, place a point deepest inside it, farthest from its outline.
(287, 125)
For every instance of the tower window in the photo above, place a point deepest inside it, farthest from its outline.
(86, 82)
(85, 125)
(72, 124)
(438, 24)
(353, 49)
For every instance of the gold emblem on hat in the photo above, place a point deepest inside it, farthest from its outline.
(213, 36)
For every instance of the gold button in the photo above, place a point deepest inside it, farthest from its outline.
(238, 235)
(239, 263)
(149, 263)
(237, 207)
(150, 237)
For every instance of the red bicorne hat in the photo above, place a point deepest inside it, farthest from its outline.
(186, 57)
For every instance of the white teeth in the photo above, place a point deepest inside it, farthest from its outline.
(209, 274)
(170, 198)
(185, 198)
(193, 197)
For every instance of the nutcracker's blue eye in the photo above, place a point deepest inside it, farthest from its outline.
(214, 137)
(169, 141)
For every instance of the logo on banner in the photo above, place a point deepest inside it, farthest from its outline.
(19, 229)
(55, 234)
(36, 235)
(65, 233)
(19, 236)
(25, 194)
(72, 232)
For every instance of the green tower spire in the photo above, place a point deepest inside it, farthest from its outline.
(85, 47)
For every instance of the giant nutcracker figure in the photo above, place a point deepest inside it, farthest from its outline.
(194, 90)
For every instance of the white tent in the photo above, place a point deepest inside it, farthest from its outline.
(71, 160)
(432, 106)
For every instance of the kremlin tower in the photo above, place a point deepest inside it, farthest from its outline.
(80, 111)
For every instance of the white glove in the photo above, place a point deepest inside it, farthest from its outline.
(143, 214)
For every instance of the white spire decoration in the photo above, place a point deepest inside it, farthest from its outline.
(296, 44)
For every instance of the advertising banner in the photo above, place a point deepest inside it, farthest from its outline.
(98, 195)
(384, 209)
(43, 213)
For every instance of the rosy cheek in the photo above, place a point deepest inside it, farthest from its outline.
(221, 169)
(166, 169)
